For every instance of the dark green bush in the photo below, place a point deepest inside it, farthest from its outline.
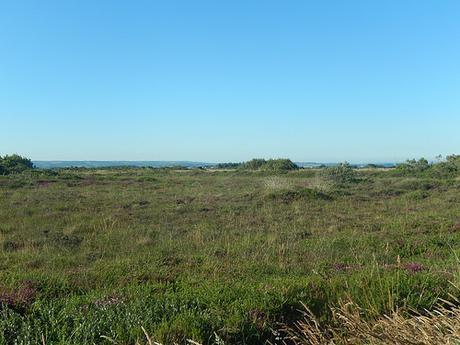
(11, 164)
(270, 165)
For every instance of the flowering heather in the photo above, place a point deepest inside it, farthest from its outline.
(20, 298)
(413, 267)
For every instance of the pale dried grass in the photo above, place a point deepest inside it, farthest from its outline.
(273, 183)
(320, 184)
(349, 327)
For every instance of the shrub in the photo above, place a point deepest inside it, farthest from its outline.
(254, 164)
(413, 166)
(11, 164)
(280, 165)
(448, 168)
(270, 165)
(342, 173)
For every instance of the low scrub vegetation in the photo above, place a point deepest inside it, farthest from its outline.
(289, 195)
(448, 168)
(341, 173)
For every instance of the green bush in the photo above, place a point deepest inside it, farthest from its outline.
(448, 168)
(254, 164)
(11, 164)
(342, 173)
(451, 167)
(270, 165)
(413, 166)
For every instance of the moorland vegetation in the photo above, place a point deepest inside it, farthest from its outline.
(234, 256)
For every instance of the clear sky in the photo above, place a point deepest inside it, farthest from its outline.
(229, 80)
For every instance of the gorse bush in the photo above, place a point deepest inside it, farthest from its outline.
(11, 164)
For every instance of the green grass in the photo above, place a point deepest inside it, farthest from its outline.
(190, 254)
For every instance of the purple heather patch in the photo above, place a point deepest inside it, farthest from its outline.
(413, 267)
(21, 297)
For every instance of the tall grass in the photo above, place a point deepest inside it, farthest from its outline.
(439, 326)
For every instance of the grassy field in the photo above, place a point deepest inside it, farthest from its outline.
(99, 256)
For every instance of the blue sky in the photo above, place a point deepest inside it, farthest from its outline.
(229, 80)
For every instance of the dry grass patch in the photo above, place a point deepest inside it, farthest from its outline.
(349, 327)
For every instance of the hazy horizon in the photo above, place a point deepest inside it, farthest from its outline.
(221, 161)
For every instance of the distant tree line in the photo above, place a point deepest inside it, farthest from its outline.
(343, 172)
(13, 164)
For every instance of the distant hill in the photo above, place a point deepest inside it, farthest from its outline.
(313, 164)
(359, 165)
(105, 164)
